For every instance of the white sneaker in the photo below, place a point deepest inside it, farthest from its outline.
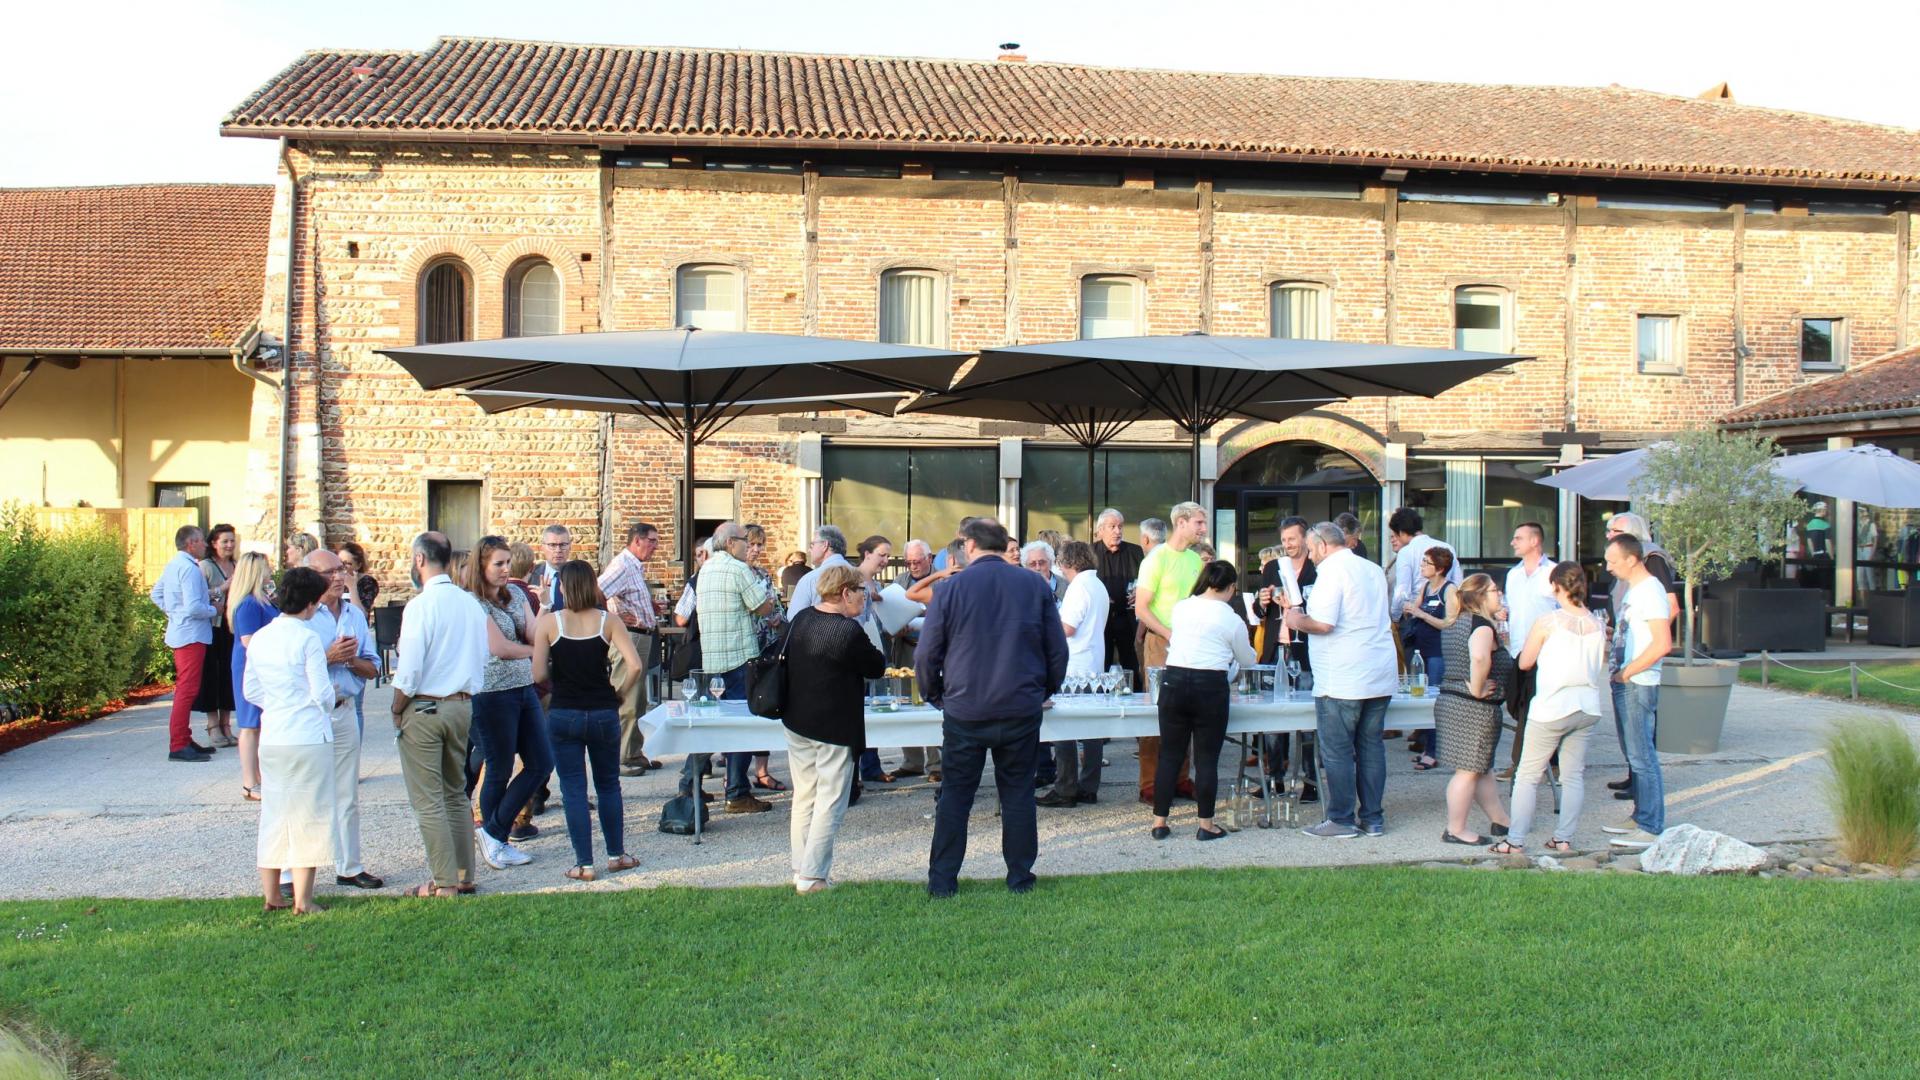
(489, 849)
(513, 856)
(1622, 828)
(1638, 838)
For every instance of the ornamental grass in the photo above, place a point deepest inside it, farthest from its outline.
(1876, 790)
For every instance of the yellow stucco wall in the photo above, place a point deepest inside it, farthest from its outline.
(185, 421)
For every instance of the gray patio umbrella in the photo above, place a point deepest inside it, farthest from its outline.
(1197, 380)
(1866, 474)
(688, 383)
(1609, 478)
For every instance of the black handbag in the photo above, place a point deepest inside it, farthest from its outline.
(676, 816)
(767, 679)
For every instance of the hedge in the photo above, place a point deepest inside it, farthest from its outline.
(75, 632)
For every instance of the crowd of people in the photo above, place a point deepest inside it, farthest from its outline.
(515, 664)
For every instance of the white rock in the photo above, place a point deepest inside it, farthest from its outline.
(1686, 849)
(1548, 862)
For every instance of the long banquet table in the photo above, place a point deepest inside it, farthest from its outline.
(708, 727)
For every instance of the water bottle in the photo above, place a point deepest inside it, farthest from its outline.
(1418, 688)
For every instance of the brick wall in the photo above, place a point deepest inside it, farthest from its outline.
(366, 438)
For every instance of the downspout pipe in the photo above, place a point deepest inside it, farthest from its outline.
(280, 498)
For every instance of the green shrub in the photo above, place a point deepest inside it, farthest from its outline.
(70, 636)
(1876, 790)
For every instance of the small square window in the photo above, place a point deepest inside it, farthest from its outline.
(195, 496)
(1657, 345)
(1823, 344)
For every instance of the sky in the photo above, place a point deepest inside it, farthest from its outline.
(118, 92)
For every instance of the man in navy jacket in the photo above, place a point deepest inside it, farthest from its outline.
(991, 652)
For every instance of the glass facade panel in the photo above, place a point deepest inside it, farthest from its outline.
(1511, 496)
(1426, 493)
(1138, 483)
(902, 493)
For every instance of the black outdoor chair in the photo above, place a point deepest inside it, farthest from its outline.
(386, 638)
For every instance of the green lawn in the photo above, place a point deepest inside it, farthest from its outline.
(1901, 673)
(1386, 971)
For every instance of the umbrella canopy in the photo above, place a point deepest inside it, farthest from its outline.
(689, 383)
(1865, 474)
(1197, 380)
(1608, 478)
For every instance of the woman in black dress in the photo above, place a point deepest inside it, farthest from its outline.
(1467, 711)
(215, 698)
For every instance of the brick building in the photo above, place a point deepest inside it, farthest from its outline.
(1665, 259)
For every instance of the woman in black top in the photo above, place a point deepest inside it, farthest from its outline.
(570, 649)
(829, 660)
(1426, 613)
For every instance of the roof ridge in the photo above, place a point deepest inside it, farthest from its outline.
(139, 185)
(1776, 110)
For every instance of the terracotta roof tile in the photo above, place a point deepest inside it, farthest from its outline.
(1888, 381)
(508, 90)
(153, 266)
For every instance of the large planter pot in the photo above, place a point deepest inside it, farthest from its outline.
(1693, 706)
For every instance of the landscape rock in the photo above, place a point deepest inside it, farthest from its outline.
(1579, 862)
(1548, 862)
(1689, 850)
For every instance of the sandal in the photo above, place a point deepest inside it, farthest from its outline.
(251, 794)
(1562, 846)
(767, 782)
(582, 872)
(1447, 835)
(1507, 847)
(621, 862)
(268, 909)
(1425, 763)
(429, 891)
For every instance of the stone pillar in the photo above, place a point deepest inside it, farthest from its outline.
(1568, 534)
(1209, 474)
(1393, 494)
(1009, 509)
(812, 490)
(1843, 511)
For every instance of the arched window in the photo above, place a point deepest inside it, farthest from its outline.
(1483, 318)
(533, 299)
(1300, 310)
(708, 296)
(913, 307)
(446, 310)
(1111, 305)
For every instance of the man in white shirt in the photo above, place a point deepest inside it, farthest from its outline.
(442, 662)
(1409, 544)
(1355, 673)
(181, 592)
(1083, 616)
(1643, 634)
(624, 582)
(351, 660)
(1529, 595)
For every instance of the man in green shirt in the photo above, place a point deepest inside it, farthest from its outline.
(728, 597)
(1166, 578)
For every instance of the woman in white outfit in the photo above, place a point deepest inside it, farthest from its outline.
(287, 677)
(1569, 647)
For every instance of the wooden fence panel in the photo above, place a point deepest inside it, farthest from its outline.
(147, 531)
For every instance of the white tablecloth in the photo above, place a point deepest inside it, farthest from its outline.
(727, 727)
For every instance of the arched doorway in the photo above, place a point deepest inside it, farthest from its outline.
(1282, 479)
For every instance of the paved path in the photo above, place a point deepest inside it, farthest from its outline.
(98, 810)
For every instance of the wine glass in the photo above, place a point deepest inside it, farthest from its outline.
(717, 686)
(689, 690)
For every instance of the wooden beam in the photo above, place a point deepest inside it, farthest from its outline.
(18, 381)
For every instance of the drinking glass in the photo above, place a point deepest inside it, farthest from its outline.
(689, 690)
(717, 686)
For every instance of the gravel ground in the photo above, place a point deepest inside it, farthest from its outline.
(99, 811)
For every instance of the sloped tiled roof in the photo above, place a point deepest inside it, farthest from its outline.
(1888, 381)
(539, 91)
(151, 266)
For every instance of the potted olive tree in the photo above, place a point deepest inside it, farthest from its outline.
(1714, 502)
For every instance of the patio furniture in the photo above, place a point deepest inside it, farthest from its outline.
(1893, 617)
(1746, 619)
(1849, 614)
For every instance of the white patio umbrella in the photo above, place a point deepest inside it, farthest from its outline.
(1864, 474)
(1609, 478)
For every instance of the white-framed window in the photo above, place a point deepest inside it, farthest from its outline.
(1111, 305)
(533, 299)
(446, 310)
(708, 296)
(1823, 344)
(1657, 344)
(913, 307)
(1300, 310)
(1483, 318)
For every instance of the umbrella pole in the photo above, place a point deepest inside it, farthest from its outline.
(686, 500)
(1090, 499)
(1194, 465)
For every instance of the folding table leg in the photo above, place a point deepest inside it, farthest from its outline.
(699, 800)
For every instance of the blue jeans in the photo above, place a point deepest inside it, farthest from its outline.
(1352, 757)
(1015, 746)
(738, 765)
(1636, 710)
(511, 725)
(580, 737)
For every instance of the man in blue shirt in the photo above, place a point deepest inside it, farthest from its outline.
(351, 661)
(991, 653)
(181, 592)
